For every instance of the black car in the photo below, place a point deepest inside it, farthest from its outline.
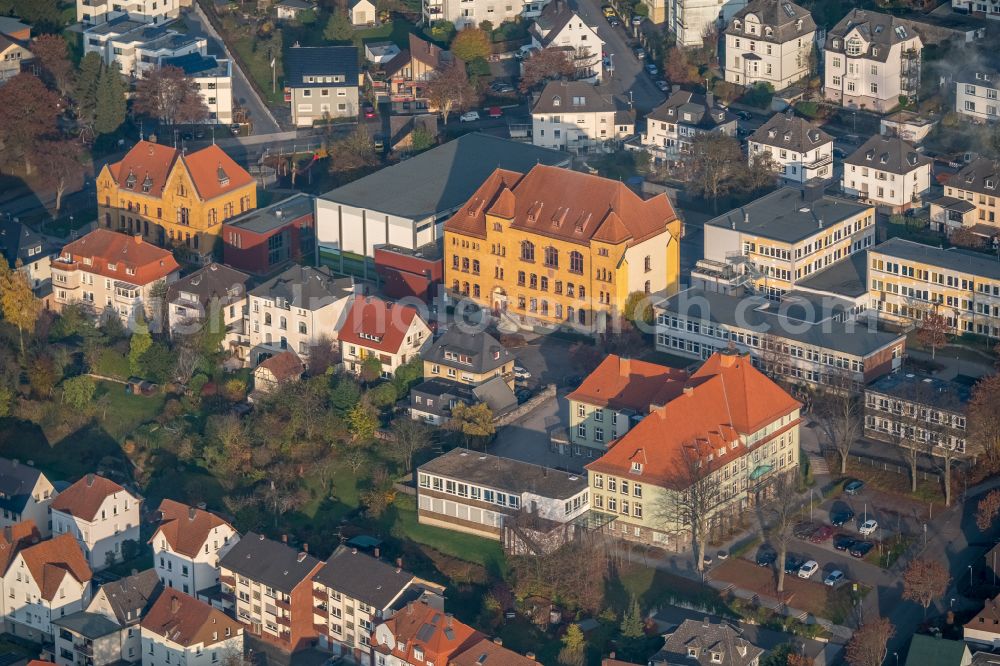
(861, 548)
(793, 563)
(854, 486)
(841, 518)
(843, 542)
(766, 557)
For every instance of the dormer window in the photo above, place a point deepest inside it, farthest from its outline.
(870, 155)
(130, 180)
(716, 657)
(556, 101)
(736, 24)
(637, 467)
(874, 52)
(990, 183)
(884, 159)
(768, 31)
(836, 43)
(693, 652)
(147, 183)
(223, 176)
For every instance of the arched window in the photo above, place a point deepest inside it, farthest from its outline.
(575, 262)
(267, 319)
(284, 342)
(551, 257)
(583, 316)
(283, 323)
(648, 287)
(527, 251)
(475, 291)
(303, 330)
(648, 263)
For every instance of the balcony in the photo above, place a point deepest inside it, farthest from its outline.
(284, 620)
(818, 164)
(84, 648)
(284, 605)
(321, 611)
(320, 594)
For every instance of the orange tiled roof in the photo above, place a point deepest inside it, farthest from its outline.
(155, 162)
(564, 204)
(377, 324)
(134, 260)
(49, 562)
(14, 538)
(186, 528)
(214, 173)
(726, 398)
(286, 365)
(438, 635)
(621, 383)
(187, 621)
(146, 160)
(487, 652)
(83, 499)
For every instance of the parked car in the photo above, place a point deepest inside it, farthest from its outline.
(808, 569)
(841, 517)
(369, 111)
(743, 115)
(608, 11)
(843, 542)
(821, 534)
(834, 577)
(495, 112)
(868, 527)
(861, 548)
(378, 141)
(793, 563)
(854, 486)
(640, 53)
(766, 557)
(469, 117)
(651, 69)
(637, 20)
(234, 128)
(613, 21)
(521, 373)
(662, 85)
(722, 555)
(523, 395)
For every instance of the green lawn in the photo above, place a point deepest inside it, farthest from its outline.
(466, 547)
(260, 68)
(654, 586)
(125, 412)
(69, 459)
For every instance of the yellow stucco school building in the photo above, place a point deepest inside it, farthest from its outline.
(559, 247)
(172, 199)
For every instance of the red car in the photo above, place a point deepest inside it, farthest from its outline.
(822, 534)
(369, 111)
(495, 112)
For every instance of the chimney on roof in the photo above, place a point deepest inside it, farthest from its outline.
(202, 505)
(354, 551)
(688, 390)
(706, 623)
(260, 536)
(90, 480)
(624, 366)
(531, 655)
(612, 655)
(192, 512)
(399, 562)
(175, 605)
(746, 217)
(709, 99)
(498, 641)
(301, 557)
(137, 239)
(675, 88)
(305, 547)
(284, 538)
(376, 552)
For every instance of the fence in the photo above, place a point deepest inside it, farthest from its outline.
(885, 465)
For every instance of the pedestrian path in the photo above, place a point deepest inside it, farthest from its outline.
(817, 464)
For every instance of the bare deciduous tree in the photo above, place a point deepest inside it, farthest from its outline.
(869, 645)
(987, 510)
(449, 88)
(924, 581)
(781, 514)
(838, 412)
(692, 499)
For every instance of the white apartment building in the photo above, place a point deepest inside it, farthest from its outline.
(871, 60)
(887, 172)
(187, 546)
(580, 118)
(214, 78)
(976, 94)
(100, 515)
(977, 8)
(91, 12)
(672, 126)
(43, 582)
(769, 41)
(801, 151)
(180, 629)
(296, 310)
(559, 27)
(689, 20)
(395, 334)
(466, 13)
(136, 47)
(125, 602)
(25, 494)
(211, 296)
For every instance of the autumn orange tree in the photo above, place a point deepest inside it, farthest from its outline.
(933, 331)
(869, 644)
(924, 581)
(470, 44)
(545, 65)
(987, 510)
(27, 115)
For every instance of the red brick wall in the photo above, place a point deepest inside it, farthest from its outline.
(251, 255)
(880, 363)
(403, 276)
(301, 625)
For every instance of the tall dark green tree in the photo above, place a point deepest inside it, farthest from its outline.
(87, 87)
(110, 109)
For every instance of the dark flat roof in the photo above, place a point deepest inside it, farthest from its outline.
(512, 476)
(955, 259)
(923, 389)
(847, 277)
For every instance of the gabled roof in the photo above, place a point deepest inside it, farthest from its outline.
(788, 131)
(15, 537)
(437, 634)
(621, 383)
(497, 395)
(888, 153)
(284, 366)
(936, 651)
(269, 562)
(786, 20)
(149, 163)
(120, 257)
(89, 625)
(725, 399)
(49, 562)
(377, 324)
(17, 239)
(214, 282)
(477, 352)
(187, 528)
(17, 481)
(130, 597)
(981, 175)
(363, 577)
(487, 652)
(707, 638)
(186, 621)
(304, 61)
(692, 109)
(214, 173)
(880, 31)
(429, 53)
(576, 97)
(566, 205)
(305, 287)
(555, 16)
(84, 498)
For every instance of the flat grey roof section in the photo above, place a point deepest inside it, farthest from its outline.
(512, 476)
(277, 215)
(786, 215)
(847, 277)
(790, 320)
(954, 259)
(922, 388)
(441, 179)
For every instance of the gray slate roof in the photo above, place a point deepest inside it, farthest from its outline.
(954, 259)
(881, 31)
(303, 61)
(269, 562)
(784, 130)
(554, 17)
(215, 281)
(692, 109)
(484, 352)
(580, 97)
(362, 577)
(17, 480)
(130, 597)
(981, 175)
(784, 215)
(786, 19)
(707, 637)
(305, 287)
(441, 180)
(278, 214)
(506, 474)
(497, 395)
(442, 392)
(888, 153)
(88, 625)
(15, 241)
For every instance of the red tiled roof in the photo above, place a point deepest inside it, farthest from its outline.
(438, 635)
(156, 162)
(49, 562)
(84, 498)
(377, 324)
(146, 159)
(13, 539)
(214, 173)
(186, 528)
(284, 366)
(726, 398)
(187, 621)
(564, 204)
(489, 653)
(104, 247)
(621, 383)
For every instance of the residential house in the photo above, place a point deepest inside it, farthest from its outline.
(887, 172)
(970, 200)
(27, 251)
(800, 340)
(415, 198)
(214, 295)
(87, 638)
(707, 643)
(290, 10)
(268, 586)
(567, 232)
(433, 400)
(619, 393)
(174, 199)
(107, 271)
(871, 60)
(800, 150)
(126, 601)
(773, 242)
(529, 508)
(297, 310)
(43, 582)
(179, 629)
(468, 358)
(908, 280)
(321, 82)
(769, 41)
(731, 423)
(404, 77)
(580, 118)
(361, 12)
(937, 651)
(979, 9)
(466, 13)
(25, 495)
(908, 125)
(12, 28)
(148, 11)
(276, 370)
(214, 78)
(187, 546)
(558, 26)
(394, 334)
(688, 20)
(101, 515)
(12, 54)
(983, 630)
(14, 538)
(421, 634)
(136, 47)
(265, 240)
(673, 125)
(353, 592)
(487, 651)
(976, 94)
